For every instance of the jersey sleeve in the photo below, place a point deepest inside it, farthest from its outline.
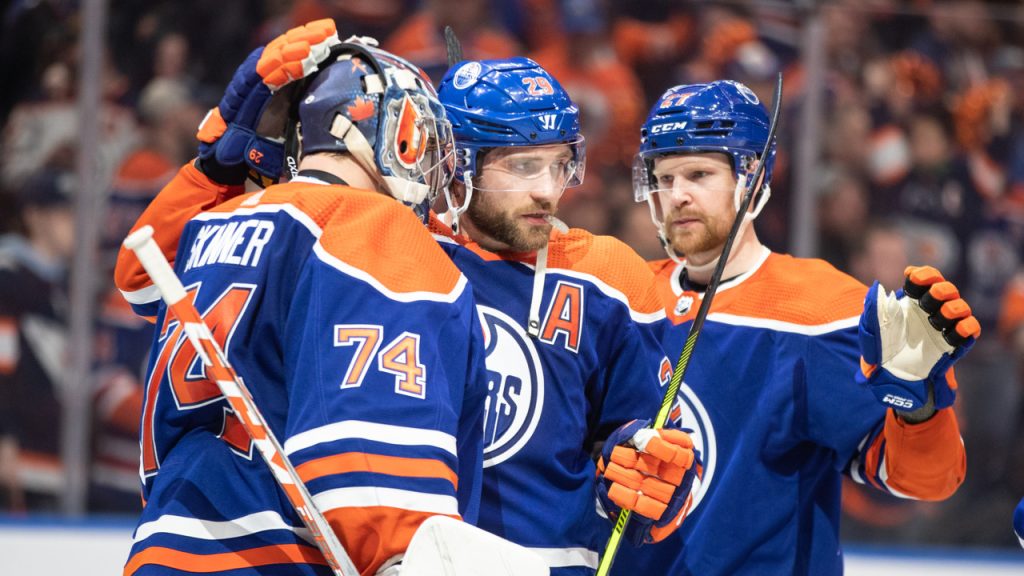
(634, 380)
(634, 373)
(187, 194)
(385, 405)
(924, 461)
(921, 461)
(831, 409)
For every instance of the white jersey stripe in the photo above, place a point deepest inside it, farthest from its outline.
(354, 272)
(567, 557)
(321, 253)
(883, 476)
(373, 431)
(146, 295)
(641, 317)
(780, 326)
(365, 496)
(217, 530)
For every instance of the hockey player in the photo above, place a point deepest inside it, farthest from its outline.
(800, 374)
(568, 319)
(355, 333)
(571, 357)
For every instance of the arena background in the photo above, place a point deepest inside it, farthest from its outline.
(902, 140)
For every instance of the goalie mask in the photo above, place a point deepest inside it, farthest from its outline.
(383, 111)
(722, 116)
(511, 102)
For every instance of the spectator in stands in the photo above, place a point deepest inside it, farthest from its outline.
(33, 312)
(420, 39)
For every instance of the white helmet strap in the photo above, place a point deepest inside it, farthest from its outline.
(403, 190)
(761, 197)
(454, 211)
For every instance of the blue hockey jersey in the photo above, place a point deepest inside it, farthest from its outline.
(594, 365)
(778, 417)
(359, 341)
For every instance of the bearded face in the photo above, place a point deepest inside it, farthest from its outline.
(695, 197)
(517, 191)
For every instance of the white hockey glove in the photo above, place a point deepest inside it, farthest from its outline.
(910, 339)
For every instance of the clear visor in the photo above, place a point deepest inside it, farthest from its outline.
(643, 184)
(528, 168)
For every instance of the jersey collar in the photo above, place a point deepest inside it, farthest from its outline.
(677, 274)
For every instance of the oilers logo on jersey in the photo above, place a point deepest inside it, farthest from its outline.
(689, 414)
(515, 386)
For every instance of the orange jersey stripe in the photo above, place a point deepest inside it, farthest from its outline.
(189, 193)
(873, 460)
(606, 258)
(207, 563)
(342, 212)
(808, 292)
(363, 462)
(373, 534)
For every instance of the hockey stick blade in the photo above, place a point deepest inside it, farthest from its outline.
(237, 394)
(615, 539)
(453, 46)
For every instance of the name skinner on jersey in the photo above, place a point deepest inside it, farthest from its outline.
(239, 243)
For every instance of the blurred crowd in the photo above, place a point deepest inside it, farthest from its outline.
(922, 161)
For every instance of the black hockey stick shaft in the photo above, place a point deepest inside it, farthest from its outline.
(698, 322)
(453, 46)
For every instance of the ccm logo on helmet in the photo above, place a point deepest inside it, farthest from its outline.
(667, 127)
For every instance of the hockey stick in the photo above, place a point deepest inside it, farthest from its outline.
(453, 46)
(698, 322)
(231, 386)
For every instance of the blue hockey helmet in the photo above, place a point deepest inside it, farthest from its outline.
(384, 112)
(508, 102)
(721, 116)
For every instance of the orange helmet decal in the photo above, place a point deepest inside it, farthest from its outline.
(410, 141)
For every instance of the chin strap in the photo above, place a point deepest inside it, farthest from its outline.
(533, 322)
(407, 191)
(455, 211)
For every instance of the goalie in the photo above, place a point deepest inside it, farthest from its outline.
(356, 335)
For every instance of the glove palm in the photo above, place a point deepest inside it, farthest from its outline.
(910, 339)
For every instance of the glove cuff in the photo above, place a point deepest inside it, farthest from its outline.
(221, 174)
(922, 414)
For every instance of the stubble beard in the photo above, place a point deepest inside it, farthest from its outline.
(507, 228)
(707, 238)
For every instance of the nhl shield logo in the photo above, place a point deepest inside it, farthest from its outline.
(683, 305)
(515, 387)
